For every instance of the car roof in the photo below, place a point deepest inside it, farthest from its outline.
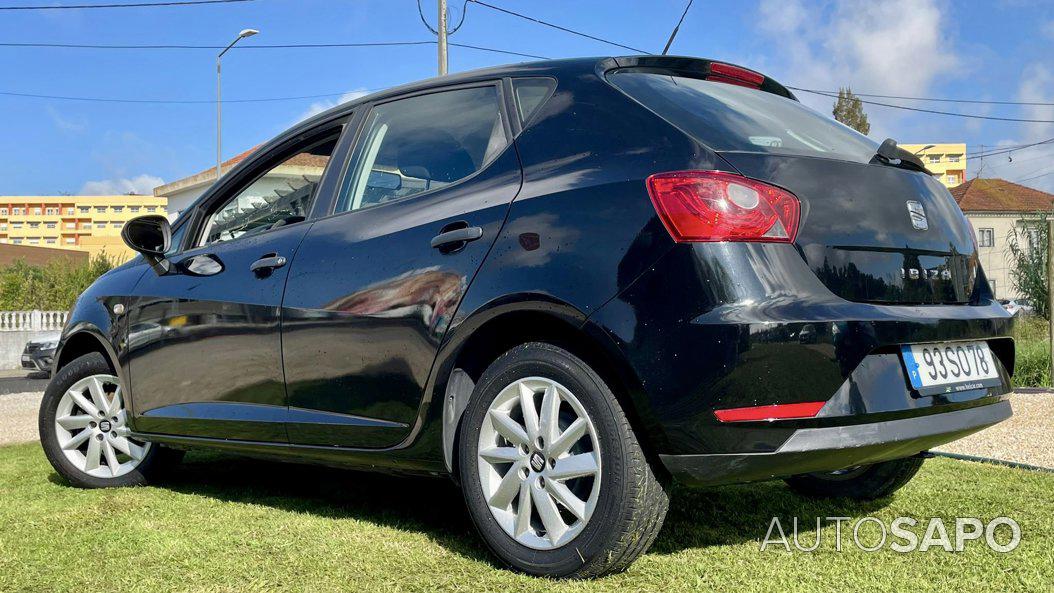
(556, 68)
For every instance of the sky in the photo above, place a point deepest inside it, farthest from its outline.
(993, 50)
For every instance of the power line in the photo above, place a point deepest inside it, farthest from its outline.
(1007, 149)
(420, 12)
(967, 115)
(179, 46)
(1034, 177)
(173, 101)
(558, 27)
(133, 5)
(935, 99)
(491, 49)
(212, 47)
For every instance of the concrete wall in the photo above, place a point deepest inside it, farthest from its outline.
(19, 327)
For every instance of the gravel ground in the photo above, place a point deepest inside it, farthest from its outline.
(20, 423)
(1027, 437)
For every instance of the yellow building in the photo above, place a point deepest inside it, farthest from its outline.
(947, 161)
(83, 223)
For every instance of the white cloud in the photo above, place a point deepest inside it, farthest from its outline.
(141, 184)
(320, 106)
(1048, 28)
(897, 47)
(75, 125)
(1037, 86)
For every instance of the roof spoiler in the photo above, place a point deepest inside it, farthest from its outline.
(698, 68)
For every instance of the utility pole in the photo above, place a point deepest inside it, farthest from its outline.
(1050, 292)
(442, 37)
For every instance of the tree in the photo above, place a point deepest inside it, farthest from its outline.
(850, 111)
(1028, 263)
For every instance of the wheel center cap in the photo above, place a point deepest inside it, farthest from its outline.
(104, 425)
(537, 462)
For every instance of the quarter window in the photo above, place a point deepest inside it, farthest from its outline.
(418, 144)
(283, 195)
(530, 94)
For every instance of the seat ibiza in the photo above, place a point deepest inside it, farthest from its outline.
(563, 284)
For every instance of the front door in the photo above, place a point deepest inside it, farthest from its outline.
(204, 341)
(374, 286)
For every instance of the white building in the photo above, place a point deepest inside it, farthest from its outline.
(996, 208)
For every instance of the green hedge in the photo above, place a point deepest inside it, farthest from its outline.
(51, 287)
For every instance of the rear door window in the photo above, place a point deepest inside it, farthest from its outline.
(728, 117)
(418, 144)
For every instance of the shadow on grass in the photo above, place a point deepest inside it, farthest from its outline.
(434, 506)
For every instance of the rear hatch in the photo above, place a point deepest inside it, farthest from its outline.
(870, 231)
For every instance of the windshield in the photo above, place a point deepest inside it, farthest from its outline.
(727, 117)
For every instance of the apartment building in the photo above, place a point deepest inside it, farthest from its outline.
(83, 223)
(946, 161)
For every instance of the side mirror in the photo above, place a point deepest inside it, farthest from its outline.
(152, 236)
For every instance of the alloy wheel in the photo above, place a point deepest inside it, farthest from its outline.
(90, 426)
(539, 463)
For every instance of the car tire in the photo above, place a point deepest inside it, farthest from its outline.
(867, 482)
(87, 444)
(610, 518)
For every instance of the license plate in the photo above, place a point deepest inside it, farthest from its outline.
(27, 359)
(950, 367)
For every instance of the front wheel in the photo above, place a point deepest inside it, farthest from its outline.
(553, 476)
(83, 429)
(865, 482)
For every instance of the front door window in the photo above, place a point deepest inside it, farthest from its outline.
(283, 195)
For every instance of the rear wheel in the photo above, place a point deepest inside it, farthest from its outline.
(84, 432)
(552, 473)
(865, 482)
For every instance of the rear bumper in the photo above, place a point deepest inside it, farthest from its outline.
(836, 447)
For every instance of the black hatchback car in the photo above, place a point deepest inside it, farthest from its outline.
(560, 283)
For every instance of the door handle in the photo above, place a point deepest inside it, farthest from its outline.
(267, 263)
(451, 240)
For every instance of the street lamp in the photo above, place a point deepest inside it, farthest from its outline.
(244, 33)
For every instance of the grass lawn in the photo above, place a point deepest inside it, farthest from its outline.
(229, 524)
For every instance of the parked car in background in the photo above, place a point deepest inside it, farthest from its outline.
(1017, 306)
(561, 284)
(39, 353)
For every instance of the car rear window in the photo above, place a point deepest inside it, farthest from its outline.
(727, 117)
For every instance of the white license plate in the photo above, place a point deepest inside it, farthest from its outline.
(950, 366)
(27, 359)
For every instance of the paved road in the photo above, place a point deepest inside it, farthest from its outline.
(21, 383)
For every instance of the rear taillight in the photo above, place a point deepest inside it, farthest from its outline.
(729, 74)
(718, 206)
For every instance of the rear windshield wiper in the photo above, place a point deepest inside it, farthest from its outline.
(894, 156)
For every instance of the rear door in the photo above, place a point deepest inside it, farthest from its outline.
(375, 283)
(204, 346)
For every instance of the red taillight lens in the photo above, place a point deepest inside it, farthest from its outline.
(727, 73)
(774, 412)
(718, 206)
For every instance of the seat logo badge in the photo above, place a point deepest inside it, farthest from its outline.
(537, 463)
(918, 215)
